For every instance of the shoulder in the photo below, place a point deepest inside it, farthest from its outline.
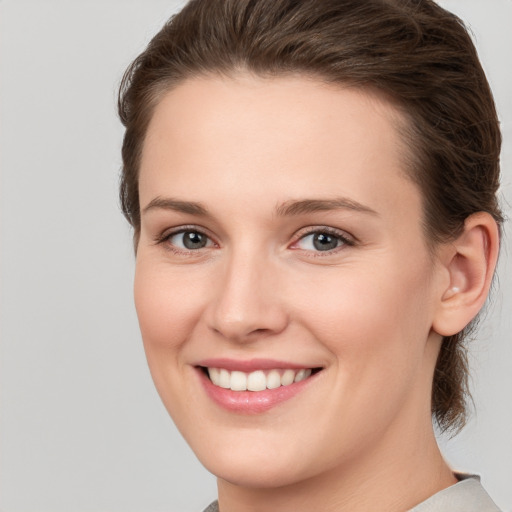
(212, 507)
(468, 495)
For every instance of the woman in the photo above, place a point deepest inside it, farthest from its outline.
(312, 187)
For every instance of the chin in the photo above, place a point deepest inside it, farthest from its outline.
(257, 459)
(268, 473)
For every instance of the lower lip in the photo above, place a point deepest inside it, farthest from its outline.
(252, 402)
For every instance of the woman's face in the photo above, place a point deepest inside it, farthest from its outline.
(281, 234)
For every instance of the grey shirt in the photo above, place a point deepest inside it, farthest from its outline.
(467, 495)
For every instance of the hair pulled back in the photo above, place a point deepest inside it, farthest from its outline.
(415, 52)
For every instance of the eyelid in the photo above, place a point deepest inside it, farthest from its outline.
(165, 235)
(346, 238)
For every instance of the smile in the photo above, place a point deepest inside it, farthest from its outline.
(258, 380)
(253, 387)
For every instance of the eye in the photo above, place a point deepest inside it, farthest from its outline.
(189, 240)
(322, 241)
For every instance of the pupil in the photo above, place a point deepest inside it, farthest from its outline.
(193, 240)
(325, 242)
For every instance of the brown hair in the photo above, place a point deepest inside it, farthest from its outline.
(412, 50)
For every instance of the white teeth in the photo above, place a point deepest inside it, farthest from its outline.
(273, 379)
(258, 380)
(287, 378)
(299, 376)
(214, 374)
(238, 381)
(224, 379)
(302, 374)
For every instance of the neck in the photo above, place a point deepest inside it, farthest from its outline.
(400, 473)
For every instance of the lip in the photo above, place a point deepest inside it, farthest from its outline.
(251, 365)
(251, 402)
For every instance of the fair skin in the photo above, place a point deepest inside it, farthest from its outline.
(280, 232)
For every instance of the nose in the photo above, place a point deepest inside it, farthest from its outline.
(246, 302)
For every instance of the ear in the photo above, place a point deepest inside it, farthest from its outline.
(469, 264)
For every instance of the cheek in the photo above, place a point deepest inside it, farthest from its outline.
(377, 316)
(375, 325)
(168, 306)
(168, 309)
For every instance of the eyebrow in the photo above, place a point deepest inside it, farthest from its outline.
(286, 209)
(162, 203)
(300, 207)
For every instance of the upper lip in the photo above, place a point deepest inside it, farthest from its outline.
(251, 365)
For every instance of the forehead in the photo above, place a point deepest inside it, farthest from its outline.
(202, 105)
(289, 134)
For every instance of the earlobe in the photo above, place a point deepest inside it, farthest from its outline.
(470, 261)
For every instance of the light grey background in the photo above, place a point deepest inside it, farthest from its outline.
(82, 428)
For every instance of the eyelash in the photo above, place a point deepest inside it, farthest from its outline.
(344, 239)
(165, 237)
